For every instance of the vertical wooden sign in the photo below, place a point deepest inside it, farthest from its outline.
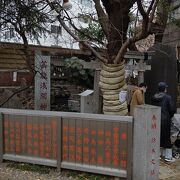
(146, 143)
(42, 82)
(1, 137)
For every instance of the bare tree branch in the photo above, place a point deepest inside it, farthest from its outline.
(82, 42)
(16, 92)
(102, 17)
(61, 21)
(153, 11)
(78, 30)
(141, 9)
(145, 31)
(22, 89)
(150, 7)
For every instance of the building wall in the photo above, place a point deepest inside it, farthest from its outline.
(163, 68)
(13, 78)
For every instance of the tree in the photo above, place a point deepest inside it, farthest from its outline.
(114, 18)
(28, 19)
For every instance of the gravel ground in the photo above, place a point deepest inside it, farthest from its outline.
(22, 171)
(9, 171)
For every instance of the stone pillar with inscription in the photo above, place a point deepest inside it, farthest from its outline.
(42, 82)
(146, 142)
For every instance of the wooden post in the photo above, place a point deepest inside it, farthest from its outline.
(59, 143)
(140, 77)
(96, 95)
(146, 142)
(96, 65)
(1, 138)
(140, 73)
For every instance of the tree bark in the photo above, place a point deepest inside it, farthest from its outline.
(118, 12)
(163, 9)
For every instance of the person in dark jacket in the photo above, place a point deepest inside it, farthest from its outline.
(167, 112)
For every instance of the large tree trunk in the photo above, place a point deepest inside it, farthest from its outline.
(112, 77)
(161, 20)
(118, 12)
(112, 81)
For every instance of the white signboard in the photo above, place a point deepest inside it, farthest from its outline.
(122, 96)
(86, 93)
(14, 76)
(42, 82)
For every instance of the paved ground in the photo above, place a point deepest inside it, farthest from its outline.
(169, 171)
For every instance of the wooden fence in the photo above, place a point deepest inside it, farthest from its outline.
(86, 142)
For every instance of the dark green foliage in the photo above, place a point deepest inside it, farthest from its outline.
(92, 32)
(77, 74)
(175, 21)
(27, 18)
